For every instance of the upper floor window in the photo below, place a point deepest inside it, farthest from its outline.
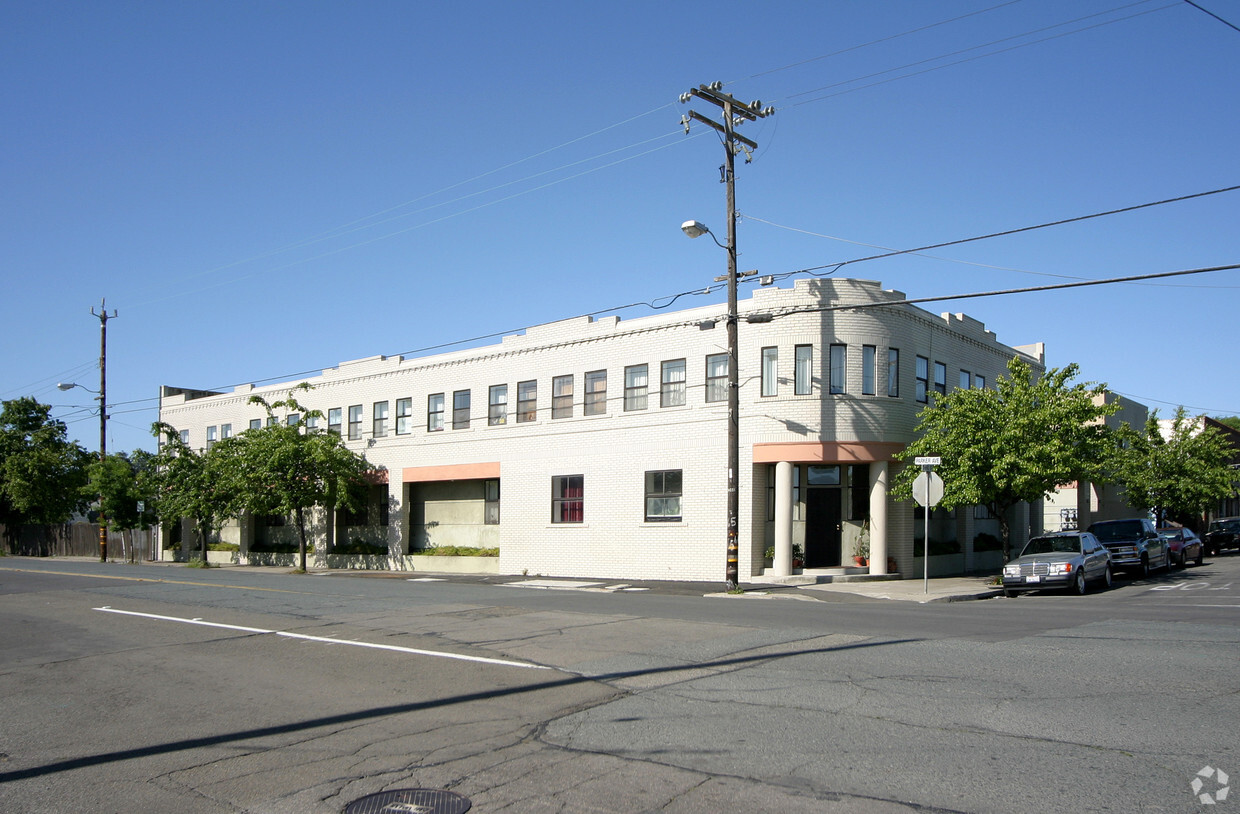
(404, 416)
(256, 423)
(839, 368)
(497, 405)
(355, 422)
(380, 425)
(672, 393)
(940, 378)
(210, 437)
(460, 410)
(893, 372)
(312, 422)
(185, 437)
(527, 401)
(596, 393)
(770, 371)
(434, 412)
(869, 370)
(333, 420)
(717, 377)
(225, 431)
(979, 382)
(923, 378)
(562, 397)
(803, 370)
(966, 380)
(636, 384)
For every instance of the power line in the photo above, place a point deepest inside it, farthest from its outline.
(1212, 14)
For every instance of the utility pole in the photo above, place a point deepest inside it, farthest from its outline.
(734, 113)
(103, 416)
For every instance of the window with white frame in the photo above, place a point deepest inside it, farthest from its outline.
(355, 422)
(839, 368)
(460, 410)
(770, 371)
(803, 370)
(497, 405)
(562, 397)
(717, 377)
(434, 412)
(491, 502)
(404, 416)
(333, 420)
(527, 401)
(663, 493)
(596, 393)
(568, 499)
(672, 392)
(636, 387)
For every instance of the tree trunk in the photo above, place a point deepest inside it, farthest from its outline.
(1005, 531)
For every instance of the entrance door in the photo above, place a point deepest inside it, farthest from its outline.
(822, 527)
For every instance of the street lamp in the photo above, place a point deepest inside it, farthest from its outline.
(694, 228)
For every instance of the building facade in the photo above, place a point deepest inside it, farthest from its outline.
(597, 447)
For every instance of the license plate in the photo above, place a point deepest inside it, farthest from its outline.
(1033, 578)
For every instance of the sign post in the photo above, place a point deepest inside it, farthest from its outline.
(927, 491)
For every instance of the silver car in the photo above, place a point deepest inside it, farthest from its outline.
(1069, 559)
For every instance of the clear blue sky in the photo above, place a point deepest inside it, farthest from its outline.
(262, 189)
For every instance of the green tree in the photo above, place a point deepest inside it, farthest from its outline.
(42, 472)
(1012, 444)
(1177, 475)
(122, 483)
(1232, 421)
(286, 468)
(192, 484)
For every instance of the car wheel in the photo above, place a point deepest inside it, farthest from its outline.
(1011, 594)
(1108, 577)
(1079, 586)
(1144, 571)
(1201, 556)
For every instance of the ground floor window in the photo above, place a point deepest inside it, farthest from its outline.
(491, 517)
(567, 498)
(663, 492)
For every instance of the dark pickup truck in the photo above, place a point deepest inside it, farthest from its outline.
(1223, 533)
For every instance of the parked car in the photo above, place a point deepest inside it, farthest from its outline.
(1183, 545)
(1134, 544)
(1068, 559)
(1223, 533)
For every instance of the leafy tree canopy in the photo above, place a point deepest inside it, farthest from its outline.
(193, 484)
(122, 482)
(1232, 421)
(1178, 474)
(42, 472)
(1015, 443)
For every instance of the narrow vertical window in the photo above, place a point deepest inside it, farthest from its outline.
(979, 382)
(333, 420)
(717, 377)
(940, 378)
(567, 499)
(225, 431)
(380, 428)
(672, 393)
(434, 412)
(527, 401)
(404, 416)
(312, 422)
(497, 405)
(562, 397)
(460, 410)
(596, 393)
(839, 368)
(355, 422)
(893, 372)
(804, 370)
(491, 503)
(210, 437)
(770, 371)
(869, 370)
(636, 386)
(663, 491)
(923, 378)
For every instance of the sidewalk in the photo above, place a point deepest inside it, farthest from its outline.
(936, 589)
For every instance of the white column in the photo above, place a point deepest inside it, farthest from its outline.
(878, 517)
(783, 519)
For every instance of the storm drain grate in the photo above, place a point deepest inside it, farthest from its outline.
(410, 801)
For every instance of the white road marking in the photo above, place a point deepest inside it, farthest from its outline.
(325, 640)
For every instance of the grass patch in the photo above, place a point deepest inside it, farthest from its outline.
(455, 551)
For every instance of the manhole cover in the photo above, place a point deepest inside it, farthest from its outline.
(410, 801)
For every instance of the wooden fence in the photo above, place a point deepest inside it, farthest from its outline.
(79, 540)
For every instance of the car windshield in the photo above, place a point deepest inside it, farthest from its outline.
(1225, 525)
(1123, 530)
(1050, 545)
(1170, 534)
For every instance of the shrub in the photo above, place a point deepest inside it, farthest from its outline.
(456, 551)
(985, 541)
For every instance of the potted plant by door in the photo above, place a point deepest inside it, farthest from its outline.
(798, 556)
(861, 547)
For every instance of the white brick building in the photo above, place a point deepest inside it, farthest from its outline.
(598, 447)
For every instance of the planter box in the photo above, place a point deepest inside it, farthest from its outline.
(452, 565)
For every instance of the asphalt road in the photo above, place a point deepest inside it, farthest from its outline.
(154, 689)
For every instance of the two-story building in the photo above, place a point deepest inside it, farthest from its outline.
(598, 447)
